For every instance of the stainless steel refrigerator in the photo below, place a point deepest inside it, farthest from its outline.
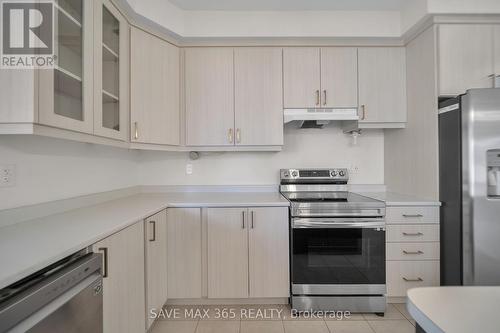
(469, 149)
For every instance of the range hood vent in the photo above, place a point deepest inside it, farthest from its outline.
(320, 117)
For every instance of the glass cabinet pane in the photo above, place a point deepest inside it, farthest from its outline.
(110, 70)
(68, 87)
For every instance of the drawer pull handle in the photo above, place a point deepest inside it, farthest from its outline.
(415, 252)
(413, 280)
(413, 216)
(104, 251)
(412, 234)
(153, 224)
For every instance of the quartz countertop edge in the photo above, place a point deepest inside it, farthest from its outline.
(29, 246)
(393, 199)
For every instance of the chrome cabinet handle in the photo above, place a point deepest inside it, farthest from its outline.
(153, 224)
(317, 98)
(413, 280)
(253, 218)
(492, 76)
(136, 131)
(413, 216)
(410, 252)
(238, 135)
(412, 234)
(324, 97)
(363, 112)
(243, 220)
(230, 135)
(104, 251)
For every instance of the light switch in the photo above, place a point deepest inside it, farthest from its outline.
(189, 169)
(7, 175)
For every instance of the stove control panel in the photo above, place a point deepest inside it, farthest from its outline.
(316, 176)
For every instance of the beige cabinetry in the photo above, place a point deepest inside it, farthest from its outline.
(413, 248)
(111, 71)
(466, 57)
(123, 280)
(248, 252)
(154, 81)
(184, 253)
(496, 36)
(258, 96)
(320, 77)
(382, 86)
(156, 263)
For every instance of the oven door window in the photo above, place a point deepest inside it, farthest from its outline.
(338, 256)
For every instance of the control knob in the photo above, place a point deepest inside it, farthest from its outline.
(333, 173)
(341, 173)
(295, 173)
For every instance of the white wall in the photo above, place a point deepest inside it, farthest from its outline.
(50, 169)
(327, 147)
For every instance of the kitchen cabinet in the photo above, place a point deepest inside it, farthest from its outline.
(466, 58)
(123, 280)
(156, 262)
(248, 252)
(227, 253)
(382, 86)
(155, 96)
(320, 77)
(209, 94)
(111, 66)
(184, 254)
(301, 77)
(65, 93)
(268, 252)
(258, 96)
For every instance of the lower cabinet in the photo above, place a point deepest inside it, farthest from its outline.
(248, 252)
(123, 283)
(184, 260)
(156, 263)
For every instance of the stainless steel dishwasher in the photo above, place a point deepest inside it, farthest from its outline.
(65, 297)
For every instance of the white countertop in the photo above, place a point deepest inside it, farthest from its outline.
(455, 309)
(32, 245)
(397, 199)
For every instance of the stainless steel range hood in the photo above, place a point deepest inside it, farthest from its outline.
(319, 116)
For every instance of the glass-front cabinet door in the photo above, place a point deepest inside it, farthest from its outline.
(65, 92)
(110, 71)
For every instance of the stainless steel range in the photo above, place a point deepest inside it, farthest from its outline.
(337, 243)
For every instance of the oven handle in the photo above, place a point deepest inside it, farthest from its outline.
(337, 223)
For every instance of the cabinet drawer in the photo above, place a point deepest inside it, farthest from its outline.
(412, 251)
(412, 215)
(412, 233)
(404, 275)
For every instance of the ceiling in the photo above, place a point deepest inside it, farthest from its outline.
(289, 5)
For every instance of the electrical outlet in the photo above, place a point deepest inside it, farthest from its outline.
(7, 175)
(189, 169)
(354, 169)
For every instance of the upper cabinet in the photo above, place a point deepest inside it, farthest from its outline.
(154, 78)
(111, 77)
(209, 91)
(320, 77)
(468, 57)
(233, 97)
(382, 86)
(65, 93)
(258, 96)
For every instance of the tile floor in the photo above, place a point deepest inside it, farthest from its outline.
(265, 319)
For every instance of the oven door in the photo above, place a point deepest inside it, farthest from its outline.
(338, 256)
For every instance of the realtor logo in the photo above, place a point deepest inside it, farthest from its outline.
(27, 34)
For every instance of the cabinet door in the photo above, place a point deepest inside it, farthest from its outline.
(209, 91)
(339, 77)
(154, 81)
(497, 56)
(301, 77)
(269, 252)
(123, 283)
(382, 84)
(227, 253)
(184, 252)
(110, 71)
(258, 90)
(65, 93)
(465, 58)
(156, 262)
